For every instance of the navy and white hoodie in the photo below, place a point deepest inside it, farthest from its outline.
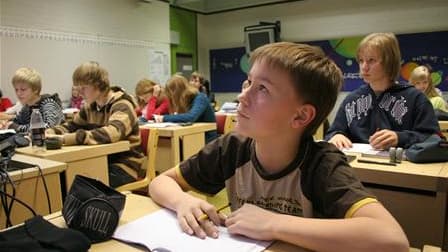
(401, 108)
(50, 106)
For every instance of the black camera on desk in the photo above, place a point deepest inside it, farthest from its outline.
(9, 140)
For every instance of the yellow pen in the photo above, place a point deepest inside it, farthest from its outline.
(205, 216)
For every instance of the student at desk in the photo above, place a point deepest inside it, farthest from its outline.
(156, 103)
(383, 113)
(277, 178)
(27, 84)
(108, 116)
(187, 104)
(421, 79)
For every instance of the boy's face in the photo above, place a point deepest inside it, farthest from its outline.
(89, 93)
(370, 66)
(25, 93)
(268, 105)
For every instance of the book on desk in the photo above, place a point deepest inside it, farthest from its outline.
(366, 150)
(160, 231)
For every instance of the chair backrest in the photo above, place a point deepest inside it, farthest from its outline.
(230, 123)
(319, 135)
(149, 141)
(220, 123)
(444, 128)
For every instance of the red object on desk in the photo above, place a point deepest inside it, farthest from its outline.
(144, 133)
(220, 123)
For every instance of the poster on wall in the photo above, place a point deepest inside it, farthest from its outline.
(229, 67)
(159, 65)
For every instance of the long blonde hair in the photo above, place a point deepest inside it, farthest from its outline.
(421, 73)
(180, 94)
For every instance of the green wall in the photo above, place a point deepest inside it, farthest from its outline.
(185, 23)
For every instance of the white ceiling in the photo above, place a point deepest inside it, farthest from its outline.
(217, 6)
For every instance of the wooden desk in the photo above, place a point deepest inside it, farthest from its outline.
(31, 190)
(177, 143)
(415, 194)
(88, 160)
(138, 206)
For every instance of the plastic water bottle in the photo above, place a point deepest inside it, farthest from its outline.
(37, 128)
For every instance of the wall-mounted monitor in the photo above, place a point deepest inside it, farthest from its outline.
(258, 35)
(257, 38)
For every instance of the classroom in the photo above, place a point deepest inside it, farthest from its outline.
(156, 39)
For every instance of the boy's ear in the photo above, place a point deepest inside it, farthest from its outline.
(305, 114)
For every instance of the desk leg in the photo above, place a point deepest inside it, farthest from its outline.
(93, 168)
(175, 150)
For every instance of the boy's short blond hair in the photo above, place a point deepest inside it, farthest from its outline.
(29, 76)
(317, 79)
(91, 73)
(387, 46)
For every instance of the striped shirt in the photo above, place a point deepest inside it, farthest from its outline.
(113, 122)
(50, 107)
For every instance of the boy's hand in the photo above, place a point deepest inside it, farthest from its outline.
(341, 141)
(383, 139)
(251, 221)
(189, 213)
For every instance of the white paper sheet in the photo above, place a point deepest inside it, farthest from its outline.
(161, 125)
(161, 230)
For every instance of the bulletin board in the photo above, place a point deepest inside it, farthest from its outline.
(229, 67)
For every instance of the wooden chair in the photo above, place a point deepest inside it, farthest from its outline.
(225, 123)
(149, 142)
(319, 135)
(444, 128)
(229, 123)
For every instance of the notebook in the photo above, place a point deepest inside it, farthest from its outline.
(160, 231)
(366, 150)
